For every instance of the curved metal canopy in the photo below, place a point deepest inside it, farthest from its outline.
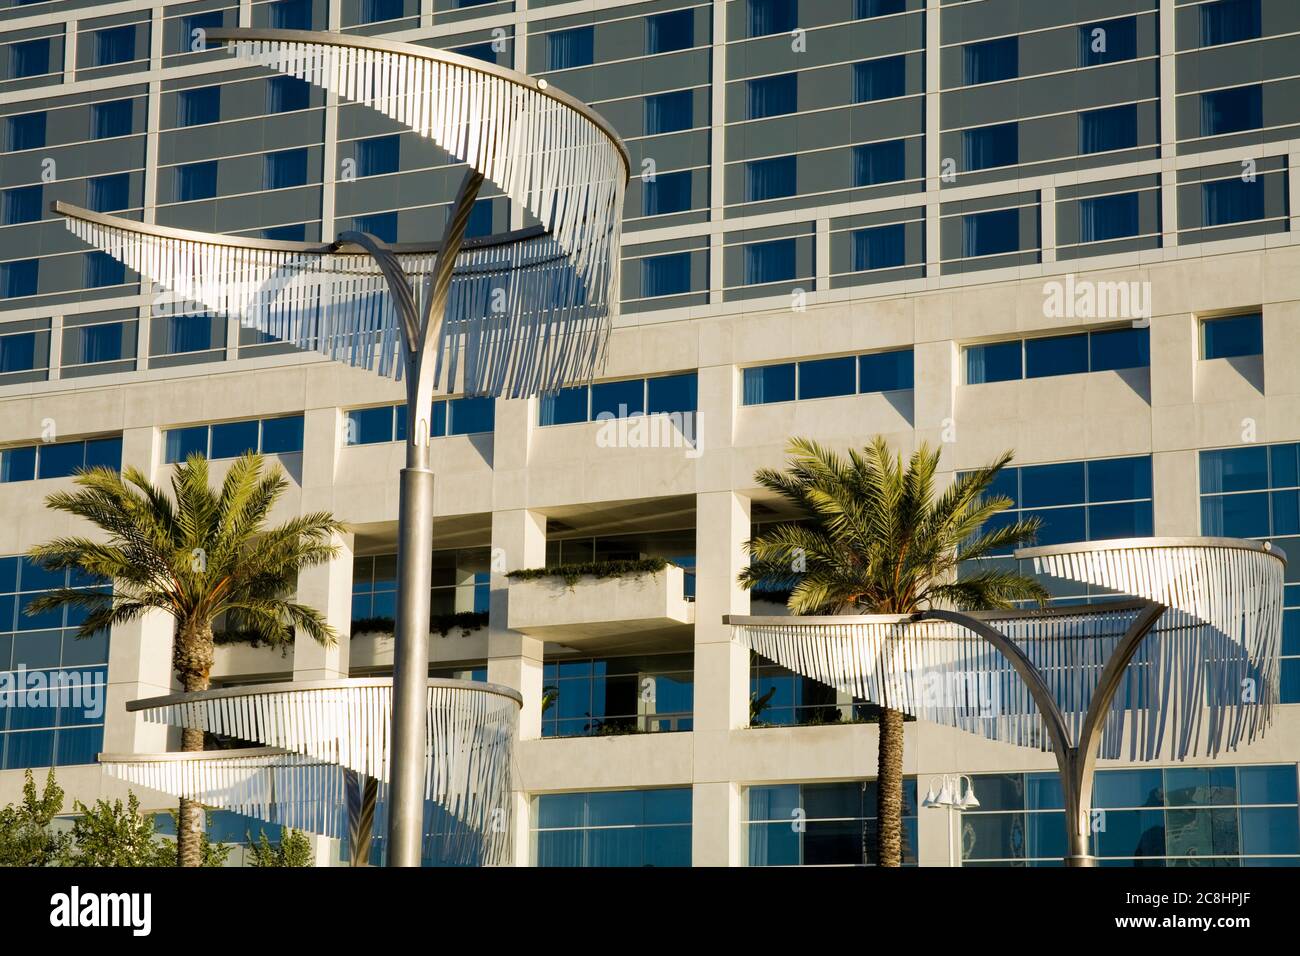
(525, 313)
(317, 733)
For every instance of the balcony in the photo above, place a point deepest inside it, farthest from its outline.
(629, 608)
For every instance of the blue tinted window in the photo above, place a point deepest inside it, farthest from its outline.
(187, 333)
(109, 193)
(881, 247)
(19, 278)
(991, 60)
(103, 270)
(1119, 479)
(1235, 516)
(29, 58)
(773, 95)
(18, 464)
(1109, 42)
(671, 393)
(667, 193)
(1234, 469)
(991, 233)
(669, 112)
(101, 343)
(991, 146)
(293, 232)
(876, 163)
(111, 119)
(1283, 466)
(232, 439)
(479, 51)
(1230, 21)
(1108, 217)
(1267, 784)
(879, 79)
(1057, 355)
(370, 426)
(17, 352)
(885, 371)
(286, 168)
(467, 416)
(770, 178)
(865, 9)
(208, 20)
(61, 459)
(104, 453)
(996, 362)
(196, 181)
(564, 407)
(22, 204)
(827, 377)
(1120, 348)
(375, 11)
(180, 443)
(438, 420)
(198, 106)
(282, 435)
(1060, 484)
(769, 383)
(290, 14)
(115, 45)
(25, 132)
(285, 94)
(1130, 519)
(1232, 336)
(1230, 111)
(567, 49)
(665, 32)
(378, 156)
(618, 399)
(480, 220)
(1115, 127)
(769, 261)
(1231, 200)
(666, 275)
(381, 225)
(772, 16)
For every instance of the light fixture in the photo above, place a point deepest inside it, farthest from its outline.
(950, 796)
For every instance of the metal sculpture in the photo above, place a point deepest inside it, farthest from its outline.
(514, 315)
(327, 764)
(1193, 661)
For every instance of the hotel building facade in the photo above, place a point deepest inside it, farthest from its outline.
(1061, 228)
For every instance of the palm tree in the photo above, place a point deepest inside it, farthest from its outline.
(197, 555)
(880, 541)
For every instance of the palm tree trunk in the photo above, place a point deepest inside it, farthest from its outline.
(192, 657)
(889, 790)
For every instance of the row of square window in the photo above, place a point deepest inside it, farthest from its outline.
(268, 436)
(1108, 349)
(659, 395)
(824, 378)
(387, 423)
(58, 459)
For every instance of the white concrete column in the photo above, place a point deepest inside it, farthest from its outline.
(328, 588)
(514, 659)
(721, 675)
(139, 653)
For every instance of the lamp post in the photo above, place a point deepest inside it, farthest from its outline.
(951, 796)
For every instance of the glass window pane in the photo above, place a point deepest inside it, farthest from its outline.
(1058, 355)
(768, 384)
(827, 377)
(369, 426)
(469, 416)
(18, 464)
(564, 407)
(180, 443)
(618, 399)
(1235, 516)
(1128, 788)
(59, 460)
(1119, 479)
(282, 435)
(997, 362)
(1234, 469)
(1128, 520)
(1120, 348)
(1270, 830)
(1108, 42)
(104, 452)
(1233, 336)
(1268, 784)
(666, 32)
(232, 439)
(885, 371)
(1052, 484)
(1131, 833)
(671, 393)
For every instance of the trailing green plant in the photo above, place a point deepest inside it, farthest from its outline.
(26, 835)
(572, 573)
(440, 624)
(294, 849)
(252, 639)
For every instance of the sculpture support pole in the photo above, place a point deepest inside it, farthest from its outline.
(415, 526)
(1075, 765)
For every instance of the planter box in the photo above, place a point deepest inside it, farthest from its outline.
(600, 607)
